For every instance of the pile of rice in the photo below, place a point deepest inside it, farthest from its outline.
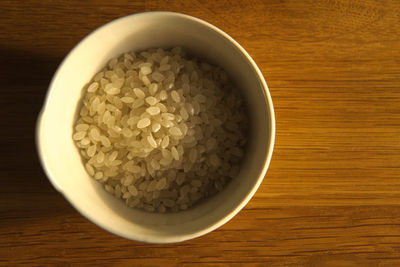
(160, 130)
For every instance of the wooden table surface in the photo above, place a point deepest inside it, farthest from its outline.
(331, 196)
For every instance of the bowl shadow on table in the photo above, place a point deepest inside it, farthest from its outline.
(25, 191)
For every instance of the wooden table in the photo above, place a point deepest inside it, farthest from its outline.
(331, 196)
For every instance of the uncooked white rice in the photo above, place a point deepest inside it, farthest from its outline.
(161, 131)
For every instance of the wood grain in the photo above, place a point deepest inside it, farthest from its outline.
(331, 196)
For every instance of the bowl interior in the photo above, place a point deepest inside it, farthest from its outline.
(62, 160)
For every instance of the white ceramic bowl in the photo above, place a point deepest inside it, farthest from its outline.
(61, 159)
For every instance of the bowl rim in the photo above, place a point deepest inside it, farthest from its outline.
(150, 239)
